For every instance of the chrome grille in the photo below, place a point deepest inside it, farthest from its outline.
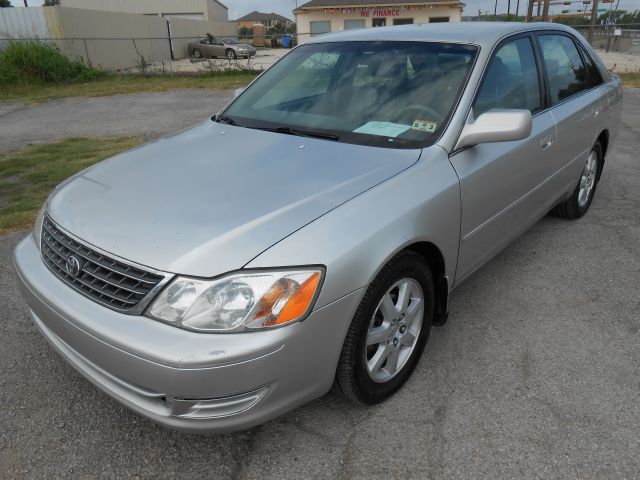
(105, 280)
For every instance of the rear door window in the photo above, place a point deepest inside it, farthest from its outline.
(594, 78)
(566, 72)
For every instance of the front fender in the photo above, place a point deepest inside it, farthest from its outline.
(355, 240)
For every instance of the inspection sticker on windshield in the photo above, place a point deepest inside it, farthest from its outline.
(425, 125)
(383, 129)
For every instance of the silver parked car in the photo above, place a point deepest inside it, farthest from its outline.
(310, 235)
(227, 47)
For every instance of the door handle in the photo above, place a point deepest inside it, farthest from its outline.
(546, 142)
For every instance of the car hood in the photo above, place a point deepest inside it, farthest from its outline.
(210, 199)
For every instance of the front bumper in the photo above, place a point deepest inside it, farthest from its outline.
(186, 380)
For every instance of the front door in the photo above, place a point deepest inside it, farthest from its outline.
(503, 184)
(379, 22)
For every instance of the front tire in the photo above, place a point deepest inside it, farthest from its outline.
(197, 54)
(580, 201)
(231, 55)
(389, 331)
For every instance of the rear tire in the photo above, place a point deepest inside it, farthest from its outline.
(580, 201)
(386, 340)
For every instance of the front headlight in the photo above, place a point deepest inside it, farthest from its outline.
(37, 228)
(240, 301)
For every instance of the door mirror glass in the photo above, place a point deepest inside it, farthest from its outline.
(496, 126)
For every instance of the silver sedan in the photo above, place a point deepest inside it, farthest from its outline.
(226, 47)
(310, 235)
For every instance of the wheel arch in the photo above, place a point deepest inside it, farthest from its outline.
(435, 259)
(603, 139)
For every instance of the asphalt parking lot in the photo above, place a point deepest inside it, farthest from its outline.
(536, 375)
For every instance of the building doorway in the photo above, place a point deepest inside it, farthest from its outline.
(379, 22)
(403, 21)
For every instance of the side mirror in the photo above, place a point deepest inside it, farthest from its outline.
(238, 92)
(496, 126)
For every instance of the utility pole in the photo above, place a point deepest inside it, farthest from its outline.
(517, 7)
(495, 8)
(545, 11)
(539, 6)
(594, 18)
(530, 11)
(25, 3)
(508, 7)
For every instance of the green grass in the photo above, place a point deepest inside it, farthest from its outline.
(28, 176)
(32, 61)
(123, 84)
(630, 79)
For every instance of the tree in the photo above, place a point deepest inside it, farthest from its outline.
(5, 4)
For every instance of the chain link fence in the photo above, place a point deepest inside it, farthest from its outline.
(168, 54)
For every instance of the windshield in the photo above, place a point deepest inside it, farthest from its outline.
(231, 41)
(390, 94)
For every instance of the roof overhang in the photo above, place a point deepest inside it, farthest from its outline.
(379, 6)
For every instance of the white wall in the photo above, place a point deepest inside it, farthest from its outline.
(217, 12)
(23, 23)
(109, 40)
(157, 7)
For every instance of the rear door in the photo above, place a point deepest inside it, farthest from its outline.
(574, 106)
(503, 185)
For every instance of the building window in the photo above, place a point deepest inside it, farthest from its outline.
(318, 28)
(353, 24)
(403, 21)
(438, 19)
(379, 22)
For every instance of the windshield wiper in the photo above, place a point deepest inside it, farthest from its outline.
(224, 119)
(303, 133)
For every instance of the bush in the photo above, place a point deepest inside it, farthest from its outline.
(27, 62)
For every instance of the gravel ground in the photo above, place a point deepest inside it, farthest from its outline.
(149, 115)
(621, 61)
(536, 375)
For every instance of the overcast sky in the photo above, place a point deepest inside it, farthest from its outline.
(238, 8)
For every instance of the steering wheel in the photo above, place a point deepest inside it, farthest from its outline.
(431, 113)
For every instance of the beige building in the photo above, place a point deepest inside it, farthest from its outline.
(269, 20)
(323, 16)
(211, 10)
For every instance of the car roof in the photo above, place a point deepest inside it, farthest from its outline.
(480, 33)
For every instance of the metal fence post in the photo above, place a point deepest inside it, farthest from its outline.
(86, 52)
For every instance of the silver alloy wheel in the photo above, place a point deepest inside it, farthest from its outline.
(588, 179)
(394, 330)
(231, 55)
(197, 53)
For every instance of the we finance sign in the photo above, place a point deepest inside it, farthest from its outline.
(380, 12)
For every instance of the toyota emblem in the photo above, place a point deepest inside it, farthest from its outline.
(73, 266)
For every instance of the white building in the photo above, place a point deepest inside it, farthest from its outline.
(211, 10)
(323, 16)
